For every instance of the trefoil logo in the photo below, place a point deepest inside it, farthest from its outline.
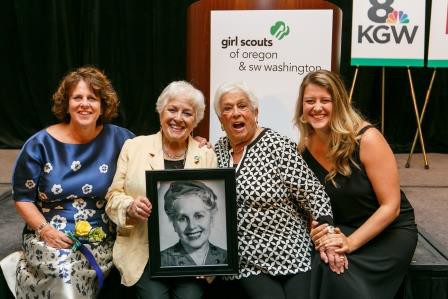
(279, 30)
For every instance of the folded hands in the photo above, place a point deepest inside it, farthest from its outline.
(332, 244)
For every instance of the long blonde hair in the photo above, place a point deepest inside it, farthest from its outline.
(345, 122)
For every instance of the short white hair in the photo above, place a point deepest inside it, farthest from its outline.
(183, 89)
(231, 87)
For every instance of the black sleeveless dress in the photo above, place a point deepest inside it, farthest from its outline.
(377, 269)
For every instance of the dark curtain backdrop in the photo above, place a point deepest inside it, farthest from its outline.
(141, 47)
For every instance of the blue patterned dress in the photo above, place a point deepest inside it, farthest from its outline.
(67, 182)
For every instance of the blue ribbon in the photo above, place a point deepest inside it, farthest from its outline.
(89, 256)
(77, 245)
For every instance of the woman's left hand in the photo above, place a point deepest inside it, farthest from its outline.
(339, 240)
(140, 208)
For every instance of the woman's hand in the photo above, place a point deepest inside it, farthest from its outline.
(140, 208)
(318, 233)
(54, 238)
(336, 261)
(34, 218)
(208, 279)
(339, 240)
(332, 246)
(323, 239)
(203, 142)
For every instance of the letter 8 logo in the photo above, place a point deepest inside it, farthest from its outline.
(385, 7)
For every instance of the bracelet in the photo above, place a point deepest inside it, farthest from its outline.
(128, 208)
(41, 227)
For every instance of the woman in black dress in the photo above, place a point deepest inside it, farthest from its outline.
(375, 222)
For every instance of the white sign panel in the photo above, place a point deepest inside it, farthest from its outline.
(438, 34)
(388, 33)
(271, 50)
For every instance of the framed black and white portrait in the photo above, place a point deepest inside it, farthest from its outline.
(192, 228)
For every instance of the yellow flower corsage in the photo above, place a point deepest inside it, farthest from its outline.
(84, 230)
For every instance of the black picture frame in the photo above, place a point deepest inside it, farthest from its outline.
(221, 234)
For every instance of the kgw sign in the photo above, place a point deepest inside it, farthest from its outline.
(388, 33)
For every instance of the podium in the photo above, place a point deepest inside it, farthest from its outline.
(198, 38)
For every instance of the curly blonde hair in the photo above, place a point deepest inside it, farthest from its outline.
(100, 86)
(345, 122)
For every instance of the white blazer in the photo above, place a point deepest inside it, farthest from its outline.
(131, 251)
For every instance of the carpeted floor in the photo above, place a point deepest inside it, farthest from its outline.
(11, 226)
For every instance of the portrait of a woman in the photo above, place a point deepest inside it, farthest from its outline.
(191, 207)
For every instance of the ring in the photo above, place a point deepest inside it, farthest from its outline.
(342, 258)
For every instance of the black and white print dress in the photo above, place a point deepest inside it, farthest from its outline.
(276, 191)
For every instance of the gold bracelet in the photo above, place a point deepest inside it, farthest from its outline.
(41, 227)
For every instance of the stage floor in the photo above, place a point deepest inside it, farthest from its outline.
(427, 189)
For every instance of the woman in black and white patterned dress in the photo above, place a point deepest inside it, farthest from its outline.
(276, 194)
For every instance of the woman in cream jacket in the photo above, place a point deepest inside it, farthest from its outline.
(181, 108)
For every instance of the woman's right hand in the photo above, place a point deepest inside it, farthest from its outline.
(34, 218)
(54, 238)
(140, 208)
(318, 233)
(336, 261)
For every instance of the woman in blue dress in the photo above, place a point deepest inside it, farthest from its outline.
(60, 180)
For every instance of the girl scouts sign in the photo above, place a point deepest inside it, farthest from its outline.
(388, 33)
(438, 35)
(271, 50)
